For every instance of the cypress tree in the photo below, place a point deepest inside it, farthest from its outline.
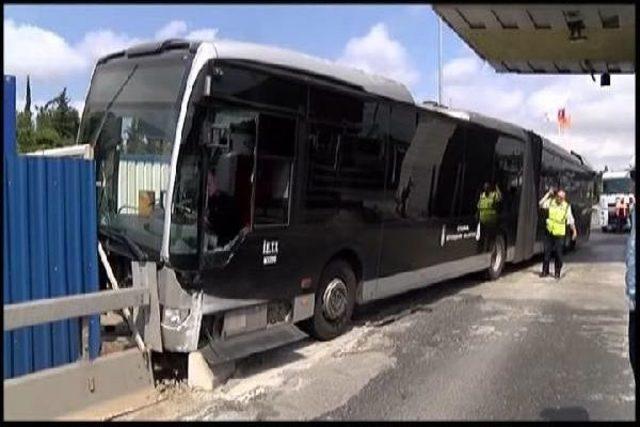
(27, 104)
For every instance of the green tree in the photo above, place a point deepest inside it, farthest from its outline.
(56, 123)
(47, 137)
(25, 132)
(24, 125)
(59, 115)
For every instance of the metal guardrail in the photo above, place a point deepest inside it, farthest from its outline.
(52, 309)
(87, 382)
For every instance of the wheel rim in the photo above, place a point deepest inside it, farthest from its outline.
(496, 258)
(334, 299)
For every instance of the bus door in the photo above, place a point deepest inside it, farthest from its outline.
(271, 245)
(528, 207)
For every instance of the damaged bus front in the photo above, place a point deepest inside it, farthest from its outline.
(176, 187)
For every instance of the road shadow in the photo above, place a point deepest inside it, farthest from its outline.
(567, 413)
(431, 294)
(269, 359)
(415, 299)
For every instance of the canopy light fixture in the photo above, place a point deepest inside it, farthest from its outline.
(575, 31)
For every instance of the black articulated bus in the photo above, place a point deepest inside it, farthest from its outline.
(270, 189)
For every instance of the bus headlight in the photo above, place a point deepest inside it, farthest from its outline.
(174, 317)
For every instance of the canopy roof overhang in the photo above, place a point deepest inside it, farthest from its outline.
(539, 38)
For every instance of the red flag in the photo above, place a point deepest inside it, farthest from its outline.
(564, 120)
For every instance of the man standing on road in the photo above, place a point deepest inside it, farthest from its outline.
(559, 216)
(631, 286)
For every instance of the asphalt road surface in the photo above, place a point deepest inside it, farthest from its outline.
(519, 348)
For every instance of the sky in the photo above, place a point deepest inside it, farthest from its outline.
(57, 45)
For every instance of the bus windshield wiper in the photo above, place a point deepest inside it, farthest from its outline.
(103, 120)
(110, 104)
(133, 247)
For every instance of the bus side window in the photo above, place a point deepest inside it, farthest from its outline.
(479, 152)
(509, 163)
(449, 179)
(276, 142)
(361, 164)
(396, 156)
(324, 141)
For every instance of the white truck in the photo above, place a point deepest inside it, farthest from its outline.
(615, 201)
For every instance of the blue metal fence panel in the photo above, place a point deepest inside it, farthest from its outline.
(42, 345)
(50, 247)
(89, 245)
(9, 126)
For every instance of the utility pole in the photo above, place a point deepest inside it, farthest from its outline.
(439, 60)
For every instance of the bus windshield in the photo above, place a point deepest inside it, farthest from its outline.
(130, 114)
(616, 186)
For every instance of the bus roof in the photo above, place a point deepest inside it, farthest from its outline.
(375, 84)
(505, 127)
(285, 58)
(473, 117)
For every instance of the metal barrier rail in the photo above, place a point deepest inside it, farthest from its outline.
(87, 383)
(52, 309)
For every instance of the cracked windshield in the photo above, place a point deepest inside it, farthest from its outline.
(131, 114)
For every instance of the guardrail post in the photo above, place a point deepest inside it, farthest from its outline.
(85, 337)
(145, 275)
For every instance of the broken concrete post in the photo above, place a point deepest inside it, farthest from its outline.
(202, 375)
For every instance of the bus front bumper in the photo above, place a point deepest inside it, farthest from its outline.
(182, 312)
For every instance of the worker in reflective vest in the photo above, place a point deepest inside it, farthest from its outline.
(488, 204)
(621, 213)
(559, 216)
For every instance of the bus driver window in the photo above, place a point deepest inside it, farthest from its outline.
(227, 202)
(222, 216)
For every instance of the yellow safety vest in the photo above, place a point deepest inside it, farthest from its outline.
(487, 207)
(557, 220)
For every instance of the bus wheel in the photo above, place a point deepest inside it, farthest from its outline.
(498, 258)
(335, 299)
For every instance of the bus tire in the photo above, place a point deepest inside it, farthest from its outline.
(334, 302)
(498, 258)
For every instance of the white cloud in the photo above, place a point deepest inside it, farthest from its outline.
(603, 118)
(204, 34)
(378, 53)
(47, 56)
(41, 53)
(96, 44)
(179, 29)
(459, 69)
(173, 29)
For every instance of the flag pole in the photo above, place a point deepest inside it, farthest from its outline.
(439, 60)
